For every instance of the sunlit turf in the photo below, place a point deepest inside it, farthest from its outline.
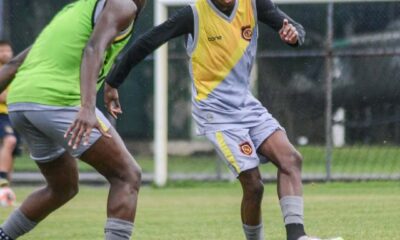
(210, 211)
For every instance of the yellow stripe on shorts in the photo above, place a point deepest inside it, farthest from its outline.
(102, 124)
(226, 151)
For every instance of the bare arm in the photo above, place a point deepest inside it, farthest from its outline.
(8, 71)
(3, 97)
(116, 17)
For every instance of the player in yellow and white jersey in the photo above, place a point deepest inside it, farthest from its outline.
(221, 41)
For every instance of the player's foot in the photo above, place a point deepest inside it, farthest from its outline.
(4, 236)
(314, 238)
(4, 182)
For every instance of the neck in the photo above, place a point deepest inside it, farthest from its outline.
(222, 8)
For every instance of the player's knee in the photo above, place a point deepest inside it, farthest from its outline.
(10, 142)
(65, 192)
(72, 191)
(130, 176)
(65, 195)
(255, 190)
(135, 178)
(259, 191)
(291, 163)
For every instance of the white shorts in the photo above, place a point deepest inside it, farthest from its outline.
(44, 130)
(238, 147)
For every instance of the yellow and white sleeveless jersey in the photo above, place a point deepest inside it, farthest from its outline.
(222, 52)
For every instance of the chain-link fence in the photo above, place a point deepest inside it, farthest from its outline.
(341, 90)
(337, 96)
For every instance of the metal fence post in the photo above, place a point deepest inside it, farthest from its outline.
(329, 77)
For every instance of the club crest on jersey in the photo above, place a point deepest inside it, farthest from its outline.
(246, 148)
(247, 33)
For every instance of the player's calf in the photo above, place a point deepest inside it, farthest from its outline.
(16, 225)
(291, 203)
(124, 189)
(122, 203)
(253, 191)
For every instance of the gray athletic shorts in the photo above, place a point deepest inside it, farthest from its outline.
(43, 128)
(238, 147)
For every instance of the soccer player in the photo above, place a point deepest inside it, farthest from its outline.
(52, 104)
(221, 40)
(7, 133)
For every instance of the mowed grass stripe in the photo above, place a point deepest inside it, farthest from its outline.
(356, 211)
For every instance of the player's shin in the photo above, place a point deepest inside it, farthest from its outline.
(117, 229)
(293, 215)
(16, 225)
(254, 232)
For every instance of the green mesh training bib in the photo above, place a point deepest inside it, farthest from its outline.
(50, 74)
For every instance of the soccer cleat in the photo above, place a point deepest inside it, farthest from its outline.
(314, 238)
(3, 235)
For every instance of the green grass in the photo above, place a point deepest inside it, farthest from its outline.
(198, 211)
(356, 159)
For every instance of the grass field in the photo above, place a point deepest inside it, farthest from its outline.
(210, 211)
(347, 160)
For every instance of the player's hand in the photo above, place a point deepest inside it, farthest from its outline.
(82, 127)
(288, 33)
(111, 101)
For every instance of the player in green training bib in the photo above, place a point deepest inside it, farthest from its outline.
(51, 102)
(50, 74)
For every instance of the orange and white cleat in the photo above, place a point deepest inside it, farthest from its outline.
(314, 238)
(7, 197)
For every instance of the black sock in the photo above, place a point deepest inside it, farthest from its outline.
(4, 236)
(294, 231)
(4, 175)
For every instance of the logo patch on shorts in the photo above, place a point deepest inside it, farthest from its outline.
(247, 33)
(246, 148)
